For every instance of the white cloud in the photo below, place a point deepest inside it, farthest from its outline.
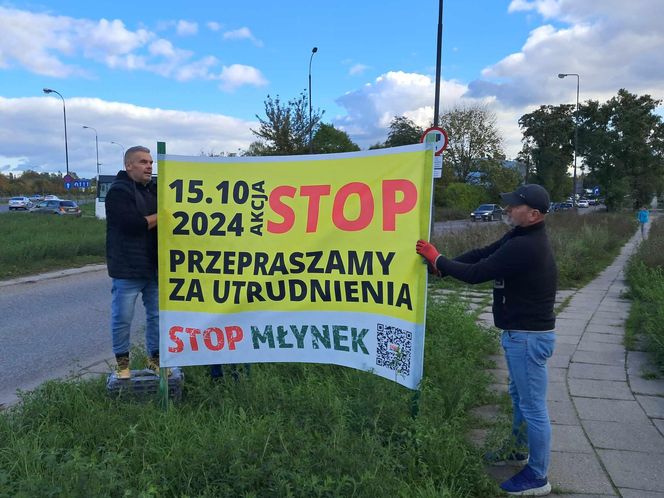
(213, 25)
(200, 69)
(35, 125)
(610, 44)
(186, 28)
(357, 69)
(243, 33)
(371, 108)
(53, 46)
(162, 47)
(44, 44)
(237, 75)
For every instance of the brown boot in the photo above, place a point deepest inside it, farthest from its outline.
(122, 370)
(153, 364)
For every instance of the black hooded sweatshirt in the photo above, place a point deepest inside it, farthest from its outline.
(524, 272)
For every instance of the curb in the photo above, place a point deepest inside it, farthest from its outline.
(51, 275)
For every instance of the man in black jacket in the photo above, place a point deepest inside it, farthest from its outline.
(523, 269)
(131, 254)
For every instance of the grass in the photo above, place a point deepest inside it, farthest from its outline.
(645, 276)
(32, 243)
(284, 430)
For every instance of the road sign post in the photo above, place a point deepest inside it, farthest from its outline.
(438, 139)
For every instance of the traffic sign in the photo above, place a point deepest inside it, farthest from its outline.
(67, 185)
(438, 136)
(68, 178)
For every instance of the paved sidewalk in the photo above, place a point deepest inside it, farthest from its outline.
(607, 417)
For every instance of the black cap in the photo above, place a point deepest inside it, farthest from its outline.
(532, 195)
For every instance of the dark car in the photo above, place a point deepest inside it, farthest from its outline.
(565, 206)
(58, 206)
(487, 212)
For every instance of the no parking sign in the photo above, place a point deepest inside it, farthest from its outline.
(439, 140)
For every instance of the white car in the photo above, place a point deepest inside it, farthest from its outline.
(51, 198)
(582, 203)
(20, 202)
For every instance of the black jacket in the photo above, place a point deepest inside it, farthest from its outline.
(524, 273)
(131, 249)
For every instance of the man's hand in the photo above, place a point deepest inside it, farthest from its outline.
(427, 250)
(152, 220)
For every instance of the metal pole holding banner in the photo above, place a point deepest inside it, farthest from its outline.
(439, 49)
(163, 372)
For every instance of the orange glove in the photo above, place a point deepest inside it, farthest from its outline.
(428, 251)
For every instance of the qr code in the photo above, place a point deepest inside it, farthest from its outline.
(393, 348)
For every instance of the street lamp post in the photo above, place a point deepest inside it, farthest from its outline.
(96, 144)
(64, 113)
(313, 51)
(123, 151)
(576, 131)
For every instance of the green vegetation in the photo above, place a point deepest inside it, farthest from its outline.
(32, 182)
(645, 275)
(31, 243)
(284, 430)
(460, 196)
(583, 245)
(620, 141)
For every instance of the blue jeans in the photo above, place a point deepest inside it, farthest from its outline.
(124, 292)
(526, 354)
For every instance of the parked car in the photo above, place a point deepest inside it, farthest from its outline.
(19, 202)
(50, 197)
(564, 206)
(582, 203)
(59, 206)
(487, 212)
(35, 198)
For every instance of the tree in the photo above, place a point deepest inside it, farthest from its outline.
(328, 140)
(623, 146)
(257, 148)
(285, 129)
(403, 132)
(525, 156)
(548, 136)
(496, 178)
(473, 134)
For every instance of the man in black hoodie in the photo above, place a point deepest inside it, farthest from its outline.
(523, 269)
(131, 254)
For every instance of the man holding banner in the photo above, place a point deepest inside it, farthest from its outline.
(524, 272)
(131, 254)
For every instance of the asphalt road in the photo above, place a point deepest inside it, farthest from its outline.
(53, 327)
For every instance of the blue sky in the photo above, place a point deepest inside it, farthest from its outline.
(196, 73)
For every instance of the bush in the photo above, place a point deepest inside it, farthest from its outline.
(459, 196)
(645, 276)
(448, 214)
(585, 245)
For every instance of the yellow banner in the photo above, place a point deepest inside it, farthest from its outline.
(300, 234)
